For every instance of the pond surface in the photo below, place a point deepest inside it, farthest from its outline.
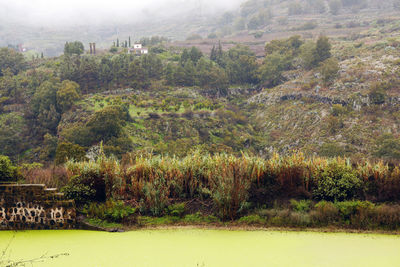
(208, 248)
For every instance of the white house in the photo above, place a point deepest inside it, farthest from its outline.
(138, 49)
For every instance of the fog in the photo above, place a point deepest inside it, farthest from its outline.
(76, 12)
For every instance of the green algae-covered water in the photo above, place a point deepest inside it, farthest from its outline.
(208, 248)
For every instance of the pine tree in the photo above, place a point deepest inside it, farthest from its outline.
(213, 55)
(219, 51)
(220, 56)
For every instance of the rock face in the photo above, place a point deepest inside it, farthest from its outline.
(24, 207)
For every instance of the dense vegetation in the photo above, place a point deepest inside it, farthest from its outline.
(190, 131)
(54, 124)
(202, 188)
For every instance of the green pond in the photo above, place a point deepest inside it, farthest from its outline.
(208, 248)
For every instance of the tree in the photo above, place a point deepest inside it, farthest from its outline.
(11, 60)
(254, 23)
(195, 54)
(152, 66)
(312, 54)
(169, 74)
(288, 47)
(307, 55)
(74, 48)
(67, 95)
(12, 139)
(329, 70)
(271, 70)
(137, 75)
(323, 49)
(212, 77)
(88, 74)
(107, 122)
(8, 172)
(185, 56)
(43, 106)
(242, 66)
(179, 76)
(68, 151)
(213, 54)
(190, 74)
(49, 147)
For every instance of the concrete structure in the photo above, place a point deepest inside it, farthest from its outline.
(35, 207)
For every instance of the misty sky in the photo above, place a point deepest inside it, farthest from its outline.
(43, 12)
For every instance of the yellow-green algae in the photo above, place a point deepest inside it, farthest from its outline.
(207, 248)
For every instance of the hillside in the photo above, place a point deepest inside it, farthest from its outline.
(261, 89)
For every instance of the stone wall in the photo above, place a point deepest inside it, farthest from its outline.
(24, 206)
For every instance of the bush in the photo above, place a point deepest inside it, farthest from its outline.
(176, 209)
(252, 220)
(198, 218)
(301, 205)
(66, 151)
(325, 213)
(80, 190)
(329, 70)
(111, 211)
(337, 181)
(388, 217)
(356, 213)
(8, 172)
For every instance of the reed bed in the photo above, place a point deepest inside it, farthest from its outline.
(234, 184)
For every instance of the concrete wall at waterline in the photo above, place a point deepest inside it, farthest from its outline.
(24, 207)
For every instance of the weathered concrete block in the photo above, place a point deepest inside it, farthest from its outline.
(24, 206)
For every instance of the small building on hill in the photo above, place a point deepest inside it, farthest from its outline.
(138, 49)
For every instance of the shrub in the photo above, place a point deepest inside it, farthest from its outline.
(299, 219)
(356, 213)
(8, 172)
(337, 181)
(80, 190)
(66, 151)
(331, 150)
(111, 211)
(377, 93)
(176, 209)
(52, 176)
(252, 220)
(301, 205)
(199, 218)
(388, 217)
(338, 110)
(329, 70)
(388, 146)
(325, 213)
